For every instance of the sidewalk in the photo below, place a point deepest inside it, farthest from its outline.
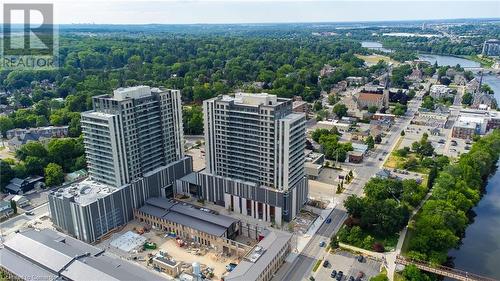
(304, 239)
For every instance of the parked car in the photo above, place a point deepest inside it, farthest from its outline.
(322, 244)
(328, 220)
(360, 258)
(351, 278)
(340, 275)
(360, 274)
(30, 213)
(333, 274)
(326, 264)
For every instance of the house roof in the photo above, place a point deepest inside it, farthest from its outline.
(13, 188)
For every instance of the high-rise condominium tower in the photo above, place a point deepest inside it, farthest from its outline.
(257, 138)
(132, 132)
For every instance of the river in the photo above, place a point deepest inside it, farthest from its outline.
(372, 45)
(480, 249)
(448, 60)
(494, 82)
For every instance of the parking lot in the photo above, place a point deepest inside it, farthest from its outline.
(347, 263)
(442, 142)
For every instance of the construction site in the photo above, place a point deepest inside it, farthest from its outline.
(183, 240)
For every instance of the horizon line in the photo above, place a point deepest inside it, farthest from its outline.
(282, 22)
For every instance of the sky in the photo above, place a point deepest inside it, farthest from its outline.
(261, 11)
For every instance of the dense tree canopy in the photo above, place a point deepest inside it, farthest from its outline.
(456, 190)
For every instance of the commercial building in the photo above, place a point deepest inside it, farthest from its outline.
(193, 224)
(264, 259)
(314, 163)
(132, 132)
(341, 126)
(255, 158)
(440, 91)
(50, 255)
(88, 209)
(464, 129)
(475, 122)
(491, 47)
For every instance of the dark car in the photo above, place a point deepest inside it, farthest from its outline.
(340, 275)
(333, 274)
(351, 278)
(360, 258)
(328, 220)
(326, 263)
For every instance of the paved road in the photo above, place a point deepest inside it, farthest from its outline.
(302, 266)
(22, 220)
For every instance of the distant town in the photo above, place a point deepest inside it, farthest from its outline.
(242, 153)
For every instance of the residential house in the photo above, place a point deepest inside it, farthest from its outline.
(473, 85)
(5, 209)
(21, 186)
(17, 142)
(416, 75)
(460, 80)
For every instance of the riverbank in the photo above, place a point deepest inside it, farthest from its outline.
(442, 222)
(485, 62)
(479, 251)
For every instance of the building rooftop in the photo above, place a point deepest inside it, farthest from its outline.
(131, 92)
(259, 257)
(249, 99)
(465, 124)
(85, 192)
(53, 255)
(359, 147)
(98, 114)
(197, 218)
(298, 103)
(370, 97)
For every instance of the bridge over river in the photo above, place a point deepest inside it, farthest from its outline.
(445, 271)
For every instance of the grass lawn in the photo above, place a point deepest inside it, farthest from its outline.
(394, 162)
(373, 59)
(484, 61)
(397, 162)
(316, 266)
